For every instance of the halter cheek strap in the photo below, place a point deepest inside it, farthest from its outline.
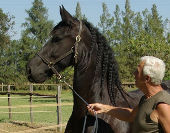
(78, 39)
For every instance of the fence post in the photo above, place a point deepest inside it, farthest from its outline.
(58, 99)
(31, 92)
(2, 87)
(9, 102)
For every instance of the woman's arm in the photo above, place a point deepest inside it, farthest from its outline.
(163, 111)
(125, 114)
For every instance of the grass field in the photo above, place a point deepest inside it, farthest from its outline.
(43, 117)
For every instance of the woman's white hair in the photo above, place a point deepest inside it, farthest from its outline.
(154, 68)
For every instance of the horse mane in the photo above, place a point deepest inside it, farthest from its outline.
(106, 62)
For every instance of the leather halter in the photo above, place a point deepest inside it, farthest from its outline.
(74, 50)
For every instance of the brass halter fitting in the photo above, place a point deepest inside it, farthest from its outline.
(78, 38)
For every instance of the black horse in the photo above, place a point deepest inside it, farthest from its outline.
(79, 44)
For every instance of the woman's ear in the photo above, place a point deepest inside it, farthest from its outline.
(147, 78)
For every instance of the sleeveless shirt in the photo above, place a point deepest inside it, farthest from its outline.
(143, 122)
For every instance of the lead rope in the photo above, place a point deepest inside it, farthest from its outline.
(95, 129)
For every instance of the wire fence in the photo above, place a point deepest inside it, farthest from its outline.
(30, 96)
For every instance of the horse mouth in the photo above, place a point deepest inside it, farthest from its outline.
(38, 78)
(33, 80)
(30, 79)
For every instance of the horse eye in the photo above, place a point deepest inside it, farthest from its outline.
(56, 39)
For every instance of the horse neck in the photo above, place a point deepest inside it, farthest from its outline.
(87, 84)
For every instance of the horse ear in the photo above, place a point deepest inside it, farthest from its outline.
(65, 15)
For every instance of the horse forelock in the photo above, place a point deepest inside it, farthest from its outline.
(60, 24)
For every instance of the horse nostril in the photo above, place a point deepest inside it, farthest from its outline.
(30, 78)
(29, 70)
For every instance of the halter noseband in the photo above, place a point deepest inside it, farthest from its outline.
(73, 49)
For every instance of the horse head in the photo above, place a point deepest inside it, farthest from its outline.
(63, 49)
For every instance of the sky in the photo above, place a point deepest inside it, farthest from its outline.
(91, 8)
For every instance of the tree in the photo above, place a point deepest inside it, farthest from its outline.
(141, 36)
(78, 13)
(37, 24)
(167, 30)
(127, 25)
(126, 33)
(117, 35)
(6, 25)
(156, 23)
(106, 23)
(36, 33)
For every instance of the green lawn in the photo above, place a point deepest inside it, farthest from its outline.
(43, 117)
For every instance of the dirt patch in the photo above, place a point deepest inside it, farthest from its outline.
(21, 127)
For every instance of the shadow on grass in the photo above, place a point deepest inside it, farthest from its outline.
(29, 125)
(35, 126)
(3, 120)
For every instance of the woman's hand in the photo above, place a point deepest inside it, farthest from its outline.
(98, 108)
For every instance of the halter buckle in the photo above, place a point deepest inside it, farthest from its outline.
(50, 64)
(78, 38)
(59, 76)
